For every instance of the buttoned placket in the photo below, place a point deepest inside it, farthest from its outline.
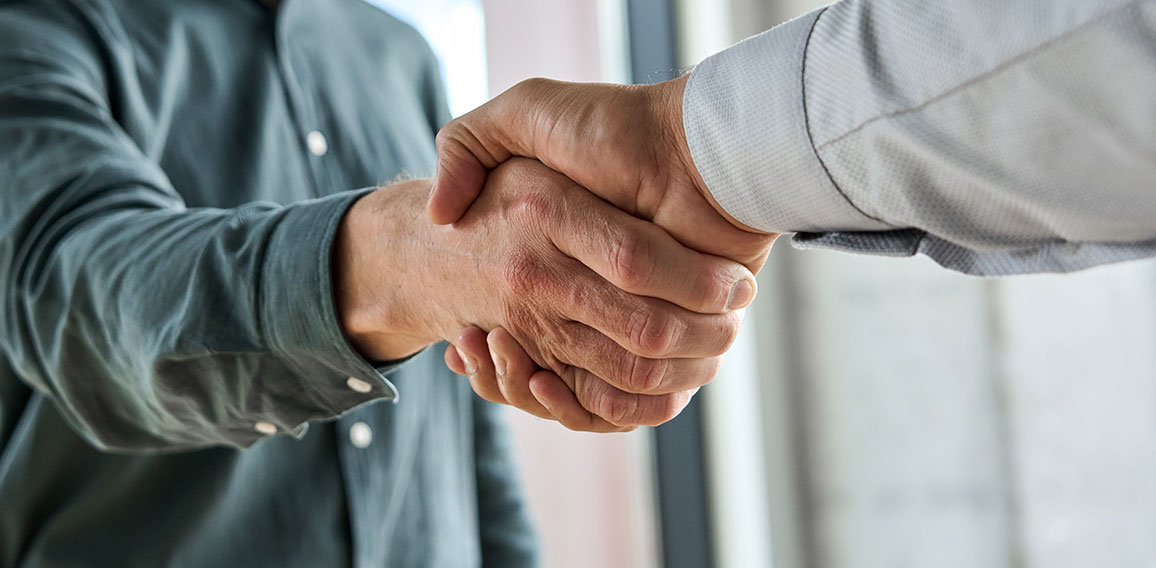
(315, 143)
(353, 432)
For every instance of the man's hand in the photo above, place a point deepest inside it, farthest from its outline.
(624, 143)
(630, 319)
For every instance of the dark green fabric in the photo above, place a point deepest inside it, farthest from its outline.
(165, 237)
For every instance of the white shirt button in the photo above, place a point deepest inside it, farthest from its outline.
(358, 385)
(360, 435)
(265, 428)
(318, 146)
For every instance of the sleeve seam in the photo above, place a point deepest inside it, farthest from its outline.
(807, 124)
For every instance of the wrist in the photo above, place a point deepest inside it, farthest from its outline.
(374, 294)
(669, 102)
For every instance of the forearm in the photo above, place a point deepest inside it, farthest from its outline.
(159, 328)
(994, 136)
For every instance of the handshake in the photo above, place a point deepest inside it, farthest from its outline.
(572, 224)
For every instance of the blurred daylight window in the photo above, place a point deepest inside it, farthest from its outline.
(456, 30)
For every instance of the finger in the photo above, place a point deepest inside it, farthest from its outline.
(645, 326)
(463, 160)
(603, 400)
(641, 258)
(513, 369)
(586, 348)
(550, 390)
(691, 215)
(454, 360)
(472, 349)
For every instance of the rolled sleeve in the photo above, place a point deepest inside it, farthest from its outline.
(155, 326)
(300, 312)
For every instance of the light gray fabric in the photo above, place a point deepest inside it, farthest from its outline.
(995, 136)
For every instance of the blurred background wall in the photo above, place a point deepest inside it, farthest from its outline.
(876, 413)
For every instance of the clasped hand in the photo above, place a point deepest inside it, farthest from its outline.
(600, 291)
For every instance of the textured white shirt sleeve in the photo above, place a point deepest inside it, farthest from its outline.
(996, 136)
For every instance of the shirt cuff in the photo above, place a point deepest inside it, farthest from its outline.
(745, 118)
(300, 315)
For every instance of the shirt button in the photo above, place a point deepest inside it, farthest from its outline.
(358, 385)
(318, 146)
(265, 428)
(360, 435)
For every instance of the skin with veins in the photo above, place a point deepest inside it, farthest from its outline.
(624, 143)
(626, 315)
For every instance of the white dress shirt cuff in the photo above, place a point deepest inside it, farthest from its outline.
(745, 118)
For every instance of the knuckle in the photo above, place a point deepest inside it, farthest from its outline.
(671, 406)
(631, 261)
(708, 373)
(446, 135)
(531, 85)
(717, 285)
(644, 375)
(532, 208)
(607, 402)
(522, 274)
(620, 409)
(455, 140)
(653, 332)
(730, 332)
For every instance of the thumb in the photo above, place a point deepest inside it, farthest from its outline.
(461, 172)
(471, 145)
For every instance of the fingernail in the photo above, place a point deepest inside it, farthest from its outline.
(499, 364)
(545, 403)
(470, 363)
(742, 294)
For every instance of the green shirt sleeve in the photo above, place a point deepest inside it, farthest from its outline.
(153, 326)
